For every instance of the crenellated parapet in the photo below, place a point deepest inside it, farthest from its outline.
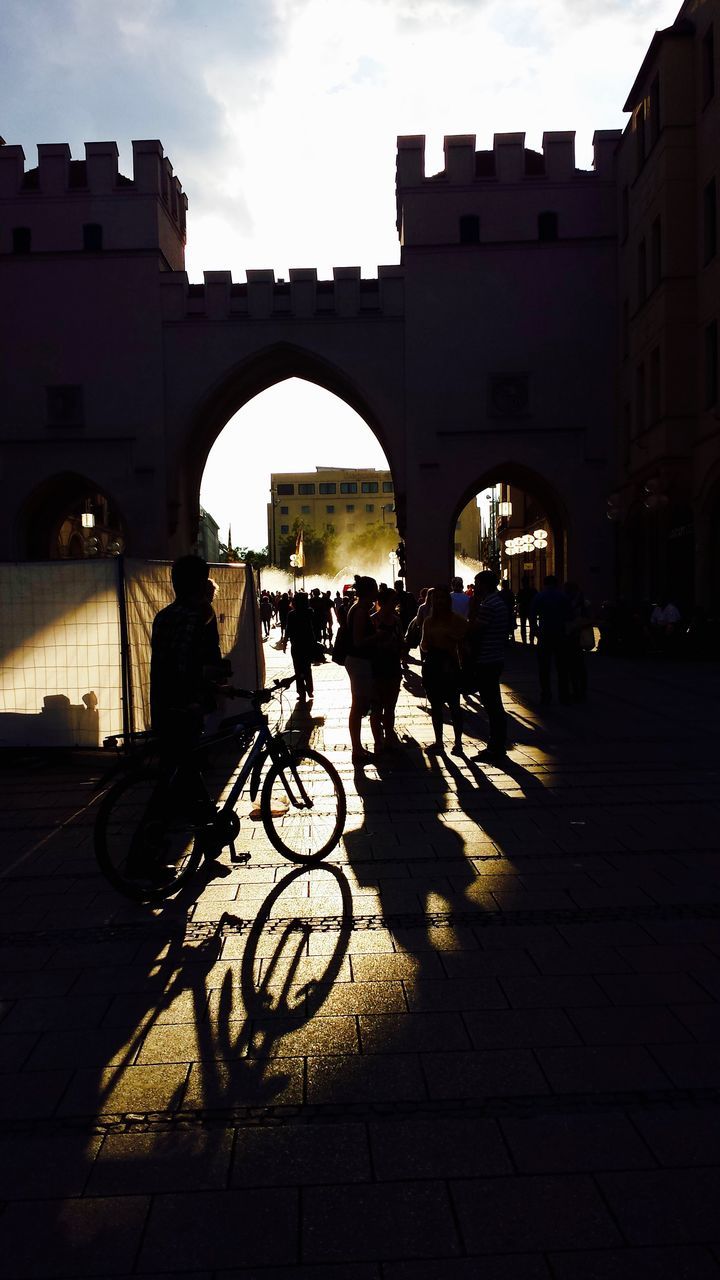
(56, 198)
(510, 193)
(302, 296)
(508, 161)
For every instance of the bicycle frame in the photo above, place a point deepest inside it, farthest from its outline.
(264, 744)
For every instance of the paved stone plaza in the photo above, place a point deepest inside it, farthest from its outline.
(483, 1040)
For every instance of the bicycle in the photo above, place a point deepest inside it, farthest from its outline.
(151, 818)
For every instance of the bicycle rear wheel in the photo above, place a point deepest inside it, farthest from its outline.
(137, 834)
(303, 806)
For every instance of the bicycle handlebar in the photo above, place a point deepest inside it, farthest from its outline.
(259, 696)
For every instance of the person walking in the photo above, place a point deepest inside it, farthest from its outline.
(283, 611)
(407, 608)
(386, 669)
(488, 624)
(460, 601)
(580, 638)
(525, 597)
(266, 610)
(508, 598)
(443, 635)
(300, 633)
(552, 610)
(361, 641)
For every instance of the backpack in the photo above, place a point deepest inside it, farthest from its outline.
(341, 646)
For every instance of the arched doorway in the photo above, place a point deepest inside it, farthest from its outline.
(522, 525)
(298, 473)
(244, 383)
(69, 517)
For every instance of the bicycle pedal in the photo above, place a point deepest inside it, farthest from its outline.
(238, 857)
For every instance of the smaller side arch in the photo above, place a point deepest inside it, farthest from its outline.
(532, 482)
(52, 502)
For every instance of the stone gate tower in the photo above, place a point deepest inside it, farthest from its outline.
(487, 353)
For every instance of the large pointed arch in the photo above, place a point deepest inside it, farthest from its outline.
(251, 376)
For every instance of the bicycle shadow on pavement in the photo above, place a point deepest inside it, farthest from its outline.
(283, 984)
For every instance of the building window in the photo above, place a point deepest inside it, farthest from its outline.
(387, 486)
(327, 486)
(64, 406)
(306, 489)
(639, 399)
(369, 486)
(350, 506)
(92, 237)
(330, 511)
(625, 213)
(547, 226)
(286, 490)
(709, 221)
(708, 65)
(641, 273)
(711, 365)
(348, 486)
(655, 384)
(470, 229)
(305, 511)
(284, 511)
(369, 506)
(21, 240)
(655, 254)
(654, 111)
(284, 528)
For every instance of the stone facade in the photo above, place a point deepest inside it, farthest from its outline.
(492, 352)
(666, 499)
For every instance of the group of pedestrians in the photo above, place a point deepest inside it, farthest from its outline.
(462, 635)
(462, 640)
(276, 606)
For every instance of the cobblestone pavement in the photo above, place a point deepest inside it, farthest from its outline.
(483, 1040)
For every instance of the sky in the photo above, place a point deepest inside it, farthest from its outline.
(280, 118)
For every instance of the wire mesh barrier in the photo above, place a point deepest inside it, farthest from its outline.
(75, 645)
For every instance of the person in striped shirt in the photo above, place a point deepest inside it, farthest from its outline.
(487, 638)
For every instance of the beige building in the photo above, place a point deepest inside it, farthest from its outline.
(467, 532)
(347, 501)
(341, 500)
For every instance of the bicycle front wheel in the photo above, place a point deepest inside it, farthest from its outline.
(303, 806)
(143, 848)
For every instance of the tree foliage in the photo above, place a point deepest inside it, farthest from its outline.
(244, 555)
(318, 548)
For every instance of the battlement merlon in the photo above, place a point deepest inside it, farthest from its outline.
(509, 160)
(301, 297)
(57, 174)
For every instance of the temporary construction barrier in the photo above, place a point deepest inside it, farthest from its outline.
(75, 645)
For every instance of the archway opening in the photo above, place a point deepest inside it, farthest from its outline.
(298, 483)
(511, 521)
(69, 518)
